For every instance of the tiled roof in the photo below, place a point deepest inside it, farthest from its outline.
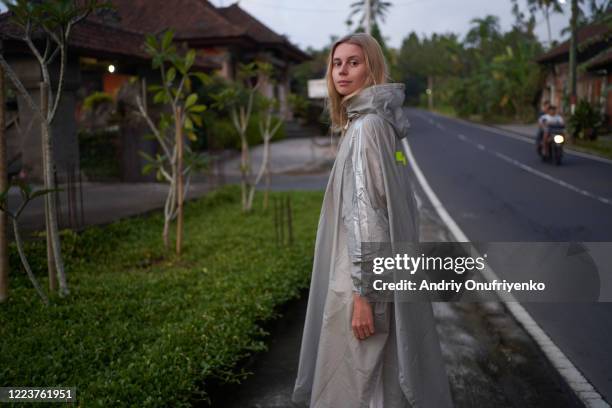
(256, 29)
(602, 61)
(94, 37)
(196, 21)
(188, 18)
(591, 34)
(250, 24)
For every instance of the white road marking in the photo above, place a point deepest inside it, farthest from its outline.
(576, 381)
(517, 137)
(539, 173)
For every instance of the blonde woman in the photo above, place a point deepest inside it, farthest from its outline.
(358, 352)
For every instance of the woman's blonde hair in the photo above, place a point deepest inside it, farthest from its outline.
(378, 74)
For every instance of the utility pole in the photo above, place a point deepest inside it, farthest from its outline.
(368, 16)
(572, 56)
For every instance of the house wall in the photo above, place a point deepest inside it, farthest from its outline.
(589, 86)
(113, 82)
(66, 147)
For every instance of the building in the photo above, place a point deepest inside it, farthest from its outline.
(106, 50)
(594, 62)
(226, 35)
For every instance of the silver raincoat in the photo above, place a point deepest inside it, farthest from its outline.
(368, 199)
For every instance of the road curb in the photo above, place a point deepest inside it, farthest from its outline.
(574, 379)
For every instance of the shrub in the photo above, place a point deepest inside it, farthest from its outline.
(96, 99)
(220, 132)
(585, 121)
(140, 330)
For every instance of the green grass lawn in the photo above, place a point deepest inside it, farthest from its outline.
(146, 330)
(601, 146)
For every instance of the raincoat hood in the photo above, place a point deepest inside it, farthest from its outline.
(385, 100)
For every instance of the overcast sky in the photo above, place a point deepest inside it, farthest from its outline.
(312, 22)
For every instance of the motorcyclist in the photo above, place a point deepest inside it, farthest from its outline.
(541, 114)
(552, 118)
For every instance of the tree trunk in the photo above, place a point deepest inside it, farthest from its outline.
(572, 56)
(267, 193)
(244, 171)
(3, 186)
(430, 92)
(547, 16)
(267, 175)
(50, 207)
(52, 271)
(169, 209)
(262, 168)
(179, 181)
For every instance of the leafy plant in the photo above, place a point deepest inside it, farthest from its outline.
(95, 99)
(585, 121)
(177, 160)
(239, 100)
(52, 21)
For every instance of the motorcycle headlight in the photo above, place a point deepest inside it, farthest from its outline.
(558, 139)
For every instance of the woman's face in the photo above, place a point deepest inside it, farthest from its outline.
(349, 70)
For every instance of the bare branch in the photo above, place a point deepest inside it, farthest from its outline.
(20, 88)
(25, 263)
(60, 85)
(234, 116)
(152, 126)
(178, 92)
(165, 173)
(52, 57)
(52, 35)
(76, 20)
(28, 41)
(47, 48)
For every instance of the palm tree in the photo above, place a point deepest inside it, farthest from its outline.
(378, 9)
(547, 6)
(483, 31)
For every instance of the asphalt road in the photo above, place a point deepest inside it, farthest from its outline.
(496, 189)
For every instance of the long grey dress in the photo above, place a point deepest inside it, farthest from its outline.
(368, 199)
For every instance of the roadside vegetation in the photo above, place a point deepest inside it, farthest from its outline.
(141, 329)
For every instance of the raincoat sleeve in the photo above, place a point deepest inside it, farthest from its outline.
(365, 206)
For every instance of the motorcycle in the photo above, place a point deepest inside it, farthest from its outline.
(553, 149)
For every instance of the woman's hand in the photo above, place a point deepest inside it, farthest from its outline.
(363, 319)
